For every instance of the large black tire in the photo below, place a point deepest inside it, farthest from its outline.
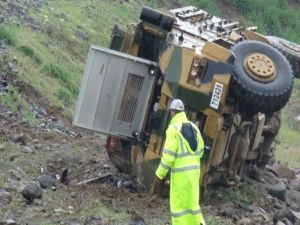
(156, 18)
(150, 15)
(255, 94)
(290, 50)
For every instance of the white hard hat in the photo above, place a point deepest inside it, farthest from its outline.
(177, 104)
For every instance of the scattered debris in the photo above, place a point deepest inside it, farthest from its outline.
(5, 197)
(10, 222)
(64, 177)
(98, 179)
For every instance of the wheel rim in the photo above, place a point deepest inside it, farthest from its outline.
(260, 67)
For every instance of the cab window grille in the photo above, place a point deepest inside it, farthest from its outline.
(130, 98)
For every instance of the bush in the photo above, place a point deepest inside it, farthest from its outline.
(16, 102)
(31, 53)
(64, 78)
(243, 194)
(276, 16)
(7, 35)
(65, 97)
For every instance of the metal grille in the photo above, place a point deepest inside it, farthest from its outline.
(130, 98)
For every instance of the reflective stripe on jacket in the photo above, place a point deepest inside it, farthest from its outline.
(184, 164)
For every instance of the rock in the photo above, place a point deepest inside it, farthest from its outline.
(106, 166)
(47, 181)
(13, 157)
(23, 139)
(9, 217)
(136, 219)
(124, 184)
(92, 220)
(136, 223)
(81, 35)
(293, 199)
(73, 194)
(42, 112)
(5, 197)
(296, 217)
(59, 211)
(38, 146)
(244, 221)
(228, 210)
(27, 149)
(261, 215)
(2, 147)
(10, 222)
(295, 183)
(280, 223)
(74, 222)
(18, 174)
(287, 222)
(284, 172)
(32, 191)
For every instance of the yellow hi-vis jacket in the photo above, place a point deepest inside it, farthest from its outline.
(184, 164)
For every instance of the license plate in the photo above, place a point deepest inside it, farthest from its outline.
(216, 96)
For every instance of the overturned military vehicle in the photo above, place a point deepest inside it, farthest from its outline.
(233, 80)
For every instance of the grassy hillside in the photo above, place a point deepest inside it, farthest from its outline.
(52, 58)
(48, 50)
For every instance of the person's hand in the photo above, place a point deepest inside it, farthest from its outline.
(167, 182)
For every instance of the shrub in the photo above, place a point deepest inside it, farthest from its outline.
(16, 102)
(242, 194)
(31, 53)
(7, 35)
(65, 97)
(64, 78)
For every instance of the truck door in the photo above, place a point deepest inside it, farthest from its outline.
(115, 93)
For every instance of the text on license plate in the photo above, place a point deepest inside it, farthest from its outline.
(216, 96)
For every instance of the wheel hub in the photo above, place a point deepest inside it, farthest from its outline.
(260, 67)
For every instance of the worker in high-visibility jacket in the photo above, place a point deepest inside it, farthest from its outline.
(181, 155)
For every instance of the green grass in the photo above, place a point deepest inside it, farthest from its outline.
(244, 194)
(273, 17)
(288, 139)
(15, 101)
(216, 220)
(59, 56)
(8, 35)
(62, 76)
(31, 53)
(65, 97)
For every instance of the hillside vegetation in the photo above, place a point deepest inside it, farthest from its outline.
(48, 45)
